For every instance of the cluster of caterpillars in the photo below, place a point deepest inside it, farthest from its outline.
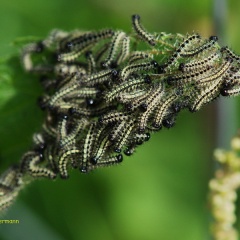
(106, 91)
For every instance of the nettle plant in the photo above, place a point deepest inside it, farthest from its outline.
(106, 91)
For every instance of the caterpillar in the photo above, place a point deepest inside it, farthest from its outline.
(192, 39)
(202, 48)
(124, 136)
(71, 137)
(205, 96)
(137, 55)
(196, 65)
(218, 73)
(129, 85)
(63, 161)
(141, 32)
(125, 50)
(31, 165)
(162, 109)
(91, 62)
(150, 105)
(98, 78)
(233, 91)
(107, 161)
(124, 74)
(100, 150)
(117, 131)
(104, 94)
(113, 116)
(79, 45)
(87, 147)
(117, 40)
(229, 53)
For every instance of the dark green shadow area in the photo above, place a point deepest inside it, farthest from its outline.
(20, 116)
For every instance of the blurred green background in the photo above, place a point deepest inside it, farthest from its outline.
(161, 191)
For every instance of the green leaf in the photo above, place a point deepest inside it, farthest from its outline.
(20, 116)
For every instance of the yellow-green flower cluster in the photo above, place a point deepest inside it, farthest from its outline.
(223, 192)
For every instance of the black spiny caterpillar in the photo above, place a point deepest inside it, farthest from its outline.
(104, 95)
